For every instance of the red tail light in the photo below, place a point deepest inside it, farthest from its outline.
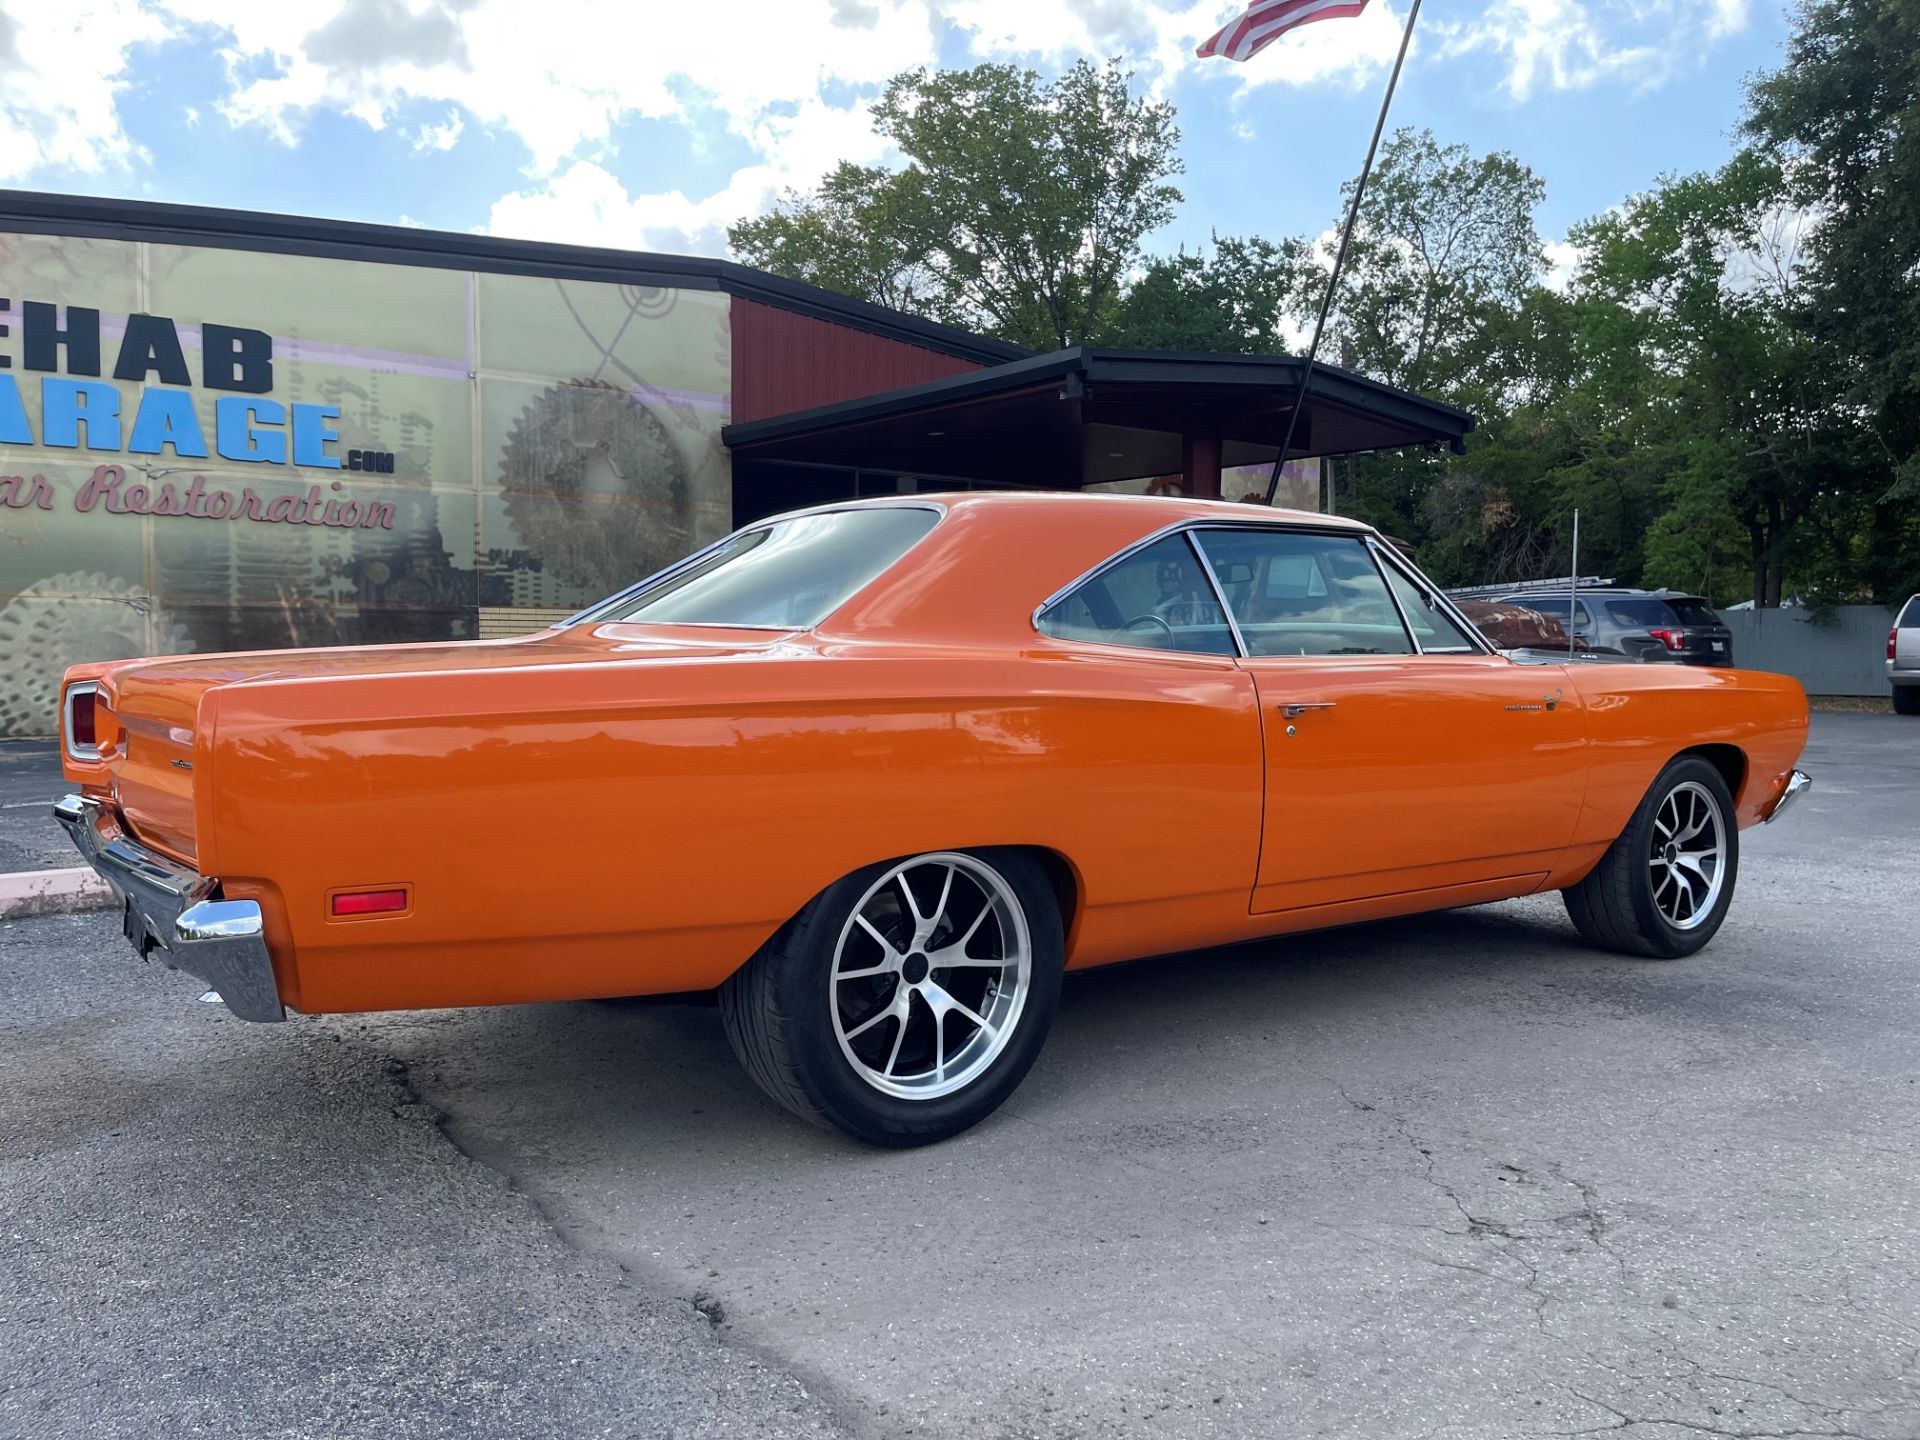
(1672, 639)
(369, 902)
(81, 722)
(1893, 639)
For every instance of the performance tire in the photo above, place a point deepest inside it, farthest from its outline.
(906, 1002)
(1663, 888)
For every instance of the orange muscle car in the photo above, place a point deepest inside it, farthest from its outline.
(879, 772)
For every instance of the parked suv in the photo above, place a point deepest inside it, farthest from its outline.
(1648, 625)
(1903, 659)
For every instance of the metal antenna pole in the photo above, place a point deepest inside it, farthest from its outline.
(1340, 255)
(1573, 587)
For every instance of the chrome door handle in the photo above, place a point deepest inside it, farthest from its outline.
(1294, 709)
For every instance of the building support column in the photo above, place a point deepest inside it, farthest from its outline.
(1200, 465)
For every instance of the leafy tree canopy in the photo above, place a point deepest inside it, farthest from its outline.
(1020, 210)
(1725, 381)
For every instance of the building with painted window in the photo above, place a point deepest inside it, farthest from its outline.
(223, 430)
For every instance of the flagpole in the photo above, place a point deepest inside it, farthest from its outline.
(1340, 255)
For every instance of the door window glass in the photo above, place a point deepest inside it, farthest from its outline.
(1157, 597)
(1294, 593)
(1432, 626)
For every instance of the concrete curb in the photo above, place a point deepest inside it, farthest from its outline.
(53, 892)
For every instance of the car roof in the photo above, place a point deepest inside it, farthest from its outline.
(1154, 511)
(996, 555)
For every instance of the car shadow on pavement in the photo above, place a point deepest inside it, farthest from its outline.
(649, 1076)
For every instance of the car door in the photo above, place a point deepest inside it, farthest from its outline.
(1400, 754)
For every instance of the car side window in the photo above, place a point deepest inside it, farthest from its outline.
(1157, 598)
(1432, 626)
(1298, 593)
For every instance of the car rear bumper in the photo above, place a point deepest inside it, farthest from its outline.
(1898, 674)
(1798, 783)
(177, 912)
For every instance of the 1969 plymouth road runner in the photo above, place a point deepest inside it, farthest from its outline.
(880, 772)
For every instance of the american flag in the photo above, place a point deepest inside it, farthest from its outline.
(1267, 20)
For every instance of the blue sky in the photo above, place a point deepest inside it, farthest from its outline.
(644, 125)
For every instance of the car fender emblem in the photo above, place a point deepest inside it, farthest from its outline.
(1547, 702)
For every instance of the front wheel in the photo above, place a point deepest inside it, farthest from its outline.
(907, 1001)
(1663, 887)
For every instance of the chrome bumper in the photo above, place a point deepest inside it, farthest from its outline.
(171, 909)
(1798, 784)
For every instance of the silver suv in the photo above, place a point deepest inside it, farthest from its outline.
(1647, 625)
(1903, 659)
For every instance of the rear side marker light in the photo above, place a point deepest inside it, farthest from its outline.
(369, 902)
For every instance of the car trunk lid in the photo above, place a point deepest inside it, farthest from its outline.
(151, 708)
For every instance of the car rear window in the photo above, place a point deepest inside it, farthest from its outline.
(788, 575)
(1910, 617)
(1642, 614)
(1693, 612)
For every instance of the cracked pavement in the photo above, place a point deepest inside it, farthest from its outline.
(1436, 1179)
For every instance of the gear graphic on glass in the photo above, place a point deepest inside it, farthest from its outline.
(594, 486)
(62, 620)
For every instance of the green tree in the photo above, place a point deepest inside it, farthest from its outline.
(1020, 210)
(847, 236)
(1234, 301)
(1842, 116)
(1445, 242)
(1443, 261)
(1713, 265)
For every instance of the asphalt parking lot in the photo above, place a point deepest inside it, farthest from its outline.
(1453, 1177)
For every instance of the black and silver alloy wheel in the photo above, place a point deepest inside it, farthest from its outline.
(1687, 854)
(1664, 886)
(906, 1001)
(930, 975)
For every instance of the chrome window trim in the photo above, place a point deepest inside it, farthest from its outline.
(1219, 595)
(1380, 565)
(686, 561)
(1411, 574)
(1366, 537)
(1152, 538)
(86, 754)
(1165, 532)
(1189, 527)
(1172, 528)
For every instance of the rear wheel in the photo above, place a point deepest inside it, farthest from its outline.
(1906, 699)
(907, 1001)
(1663, 888)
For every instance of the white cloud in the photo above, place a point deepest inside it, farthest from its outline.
(1572, 44)
(788, 81)
(62, 67)
(443, 136)
(586, 203)
(1563, 262)
(559, 76)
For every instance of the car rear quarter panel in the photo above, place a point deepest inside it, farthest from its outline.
(607, 828)
(1640, 717)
